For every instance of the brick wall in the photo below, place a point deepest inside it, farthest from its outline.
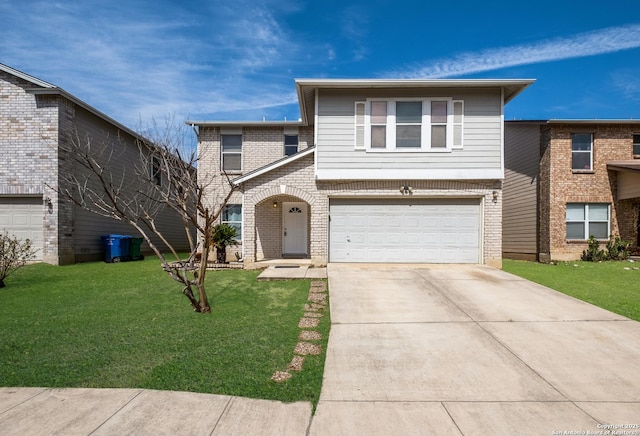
(28, 140)
(559, 185)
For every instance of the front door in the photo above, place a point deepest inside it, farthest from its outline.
(294, 228)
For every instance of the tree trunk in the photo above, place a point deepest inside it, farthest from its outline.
(2, 285)
(221, 255)
(204, 301)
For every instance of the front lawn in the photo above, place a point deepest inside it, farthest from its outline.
(614, 286)
(127, 325)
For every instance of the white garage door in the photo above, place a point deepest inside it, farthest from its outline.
(23, 218)
(415, 230)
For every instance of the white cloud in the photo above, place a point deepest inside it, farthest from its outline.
(135, 61)
(597, 42)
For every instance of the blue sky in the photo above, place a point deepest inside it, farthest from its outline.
(219, 60)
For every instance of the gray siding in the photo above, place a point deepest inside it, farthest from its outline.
(628, 185)
(88, 226)
(520, 190)
(482, 133)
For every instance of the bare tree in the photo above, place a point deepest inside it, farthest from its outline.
(14, 254)
(162, 176)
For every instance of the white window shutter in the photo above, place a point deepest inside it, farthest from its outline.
(458, 123)
(359, 125)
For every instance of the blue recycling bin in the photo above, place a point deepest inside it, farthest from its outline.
(116, 248)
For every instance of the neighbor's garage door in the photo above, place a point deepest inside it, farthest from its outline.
(415, 230)
(22, 217)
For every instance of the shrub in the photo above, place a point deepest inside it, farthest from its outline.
(14, 254)
(616, 249)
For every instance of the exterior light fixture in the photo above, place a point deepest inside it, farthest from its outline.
(275, 204)
(495, 196)
(406, 190)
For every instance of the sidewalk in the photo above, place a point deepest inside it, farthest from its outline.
(70, 412)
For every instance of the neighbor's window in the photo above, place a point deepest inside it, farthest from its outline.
(587, 219)
(155, 170)
(231, 152)
(290, 144)
(581, 151)
(636, 145)
(412, 124)
(232, 215)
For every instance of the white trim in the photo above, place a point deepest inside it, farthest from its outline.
(425, 124)
(315, 129)
(265, 169)
(414, 174)
(502, 130)
(455, 146)
(244, 253)
(363, 125)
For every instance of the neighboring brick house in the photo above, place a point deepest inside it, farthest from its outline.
(37, 123)
(374, 171)
(566, 180)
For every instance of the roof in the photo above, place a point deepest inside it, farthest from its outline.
(306, 87)
(594, 121)
(624, 165)
(245, 123)
(273, 165)
(46, 88)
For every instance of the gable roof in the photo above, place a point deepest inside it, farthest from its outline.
(306, 88)
(45, 88)
(273, 165)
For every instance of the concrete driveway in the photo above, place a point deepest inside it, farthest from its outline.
(472, 350)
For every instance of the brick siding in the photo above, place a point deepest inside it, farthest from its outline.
(559, 185)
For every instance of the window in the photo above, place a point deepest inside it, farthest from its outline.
(232, 215)
(587, 219)
(290, 144)
(378, 124)
(581, 151)
(409, 124)
(231, 152)
(156, 174)
(636, 145)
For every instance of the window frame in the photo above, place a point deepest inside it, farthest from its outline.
(297, 144)
(590, 151)
(237, 224)
(425, 123)
(636, 145)
(587, 221)
(155, 170)
(224, 153)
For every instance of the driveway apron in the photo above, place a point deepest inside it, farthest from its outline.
(458, 349)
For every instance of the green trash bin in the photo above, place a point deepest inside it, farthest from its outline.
(134, 249)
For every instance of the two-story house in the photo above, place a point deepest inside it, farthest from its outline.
(374, 171)
(38, 122)
(566, 180)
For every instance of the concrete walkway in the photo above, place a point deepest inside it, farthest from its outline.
(413, 350)
(471, 350)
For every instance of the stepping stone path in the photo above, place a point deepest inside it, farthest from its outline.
(314, 310)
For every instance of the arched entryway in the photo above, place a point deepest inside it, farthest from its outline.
(282, 225)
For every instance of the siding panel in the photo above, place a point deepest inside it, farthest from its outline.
(482, 133)
(520, 216)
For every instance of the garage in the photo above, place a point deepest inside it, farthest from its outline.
(23, 217)
(443, 230)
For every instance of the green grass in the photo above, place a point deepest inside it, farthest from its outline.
(127, 325)
(608, 284)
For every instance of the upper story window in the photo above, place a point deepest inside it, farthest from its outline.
(155, 172)
(582, 151)
(434, 124)
(587, 219)
(636, 145)
(290, 144)
(231, 152)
